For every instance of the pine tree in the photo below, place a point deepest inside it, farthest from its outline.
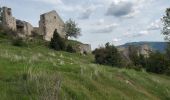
(57, 43)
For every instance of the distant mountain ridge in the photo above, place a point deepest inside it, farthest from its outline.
(157, 46)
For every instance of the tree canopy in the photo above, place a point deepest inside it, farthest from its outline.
(71, 29)
(0, 14)
(57, 43)
(107, 55)
(166, 24)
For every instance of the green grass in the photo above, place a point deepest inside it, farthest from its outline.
(38, 73)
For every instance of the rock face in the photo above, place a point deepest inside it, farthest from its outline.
(48, 23)
(145, 50)
(141, 50)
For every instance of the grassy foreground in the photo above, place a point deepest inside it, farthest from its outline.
(38, 73)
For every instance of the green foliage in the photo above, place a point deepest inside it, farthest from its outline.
(0, 15)
(70, 49)
(166, 24)
(108, 55)
(71, 29)
(37, 73)
(157, 63)
(20, 42)
(133, 55)
(168, 51)
(57, 43)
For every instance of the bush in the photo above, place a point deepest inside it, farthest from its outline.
(107, 55)
(57, 43)
(70, 49)
(17, 41)
(158, 63)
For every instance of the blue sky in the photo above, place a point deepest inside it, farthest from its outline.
(101, 21)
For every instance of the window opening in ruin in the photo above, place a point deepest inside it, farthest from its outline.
(20, 26)
(55, 17)
(9, 13)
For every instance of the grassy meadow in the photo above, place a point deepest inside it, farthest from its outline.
(35, 72)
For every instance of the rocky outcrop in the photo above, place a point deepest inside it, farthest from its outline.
(141, 50)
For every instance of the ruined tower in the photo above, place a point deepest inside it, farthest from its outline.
(48, 23)
(8, 21)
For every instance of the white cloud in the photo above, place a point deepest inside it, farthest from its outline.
(54, 2)
(116, 40)
(86, 13)
(137, 34)
(104, 28)
(156, 25)
(141, 33)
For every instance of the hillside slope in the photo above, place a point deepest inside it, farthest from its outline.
(38, 73)
(157, 46)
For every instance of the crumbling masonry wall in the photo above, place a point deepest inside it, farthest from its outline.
(24, 28)
(8, 21)
(48, 23)
(85, 48)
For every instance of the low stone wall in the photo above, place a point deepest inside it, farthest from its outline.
(84, 48)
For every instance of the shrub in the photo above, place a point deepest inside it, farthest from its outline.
(107, 55)
(17, 41)
(70, 49)
(57, 43)
(157, 63)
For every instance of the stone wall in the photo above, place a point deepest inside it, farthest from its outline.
(36, 31)
(24, 28)
(48, 23)
(8, 21)
(84, 48)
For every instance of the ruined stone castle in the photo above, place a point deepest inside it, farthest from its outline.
(48, 23)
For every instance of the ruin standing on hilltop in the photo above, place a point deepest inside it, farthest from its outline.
(47, 24)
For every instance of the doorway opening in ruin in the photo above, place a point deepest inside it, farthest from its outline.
(20, 26)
